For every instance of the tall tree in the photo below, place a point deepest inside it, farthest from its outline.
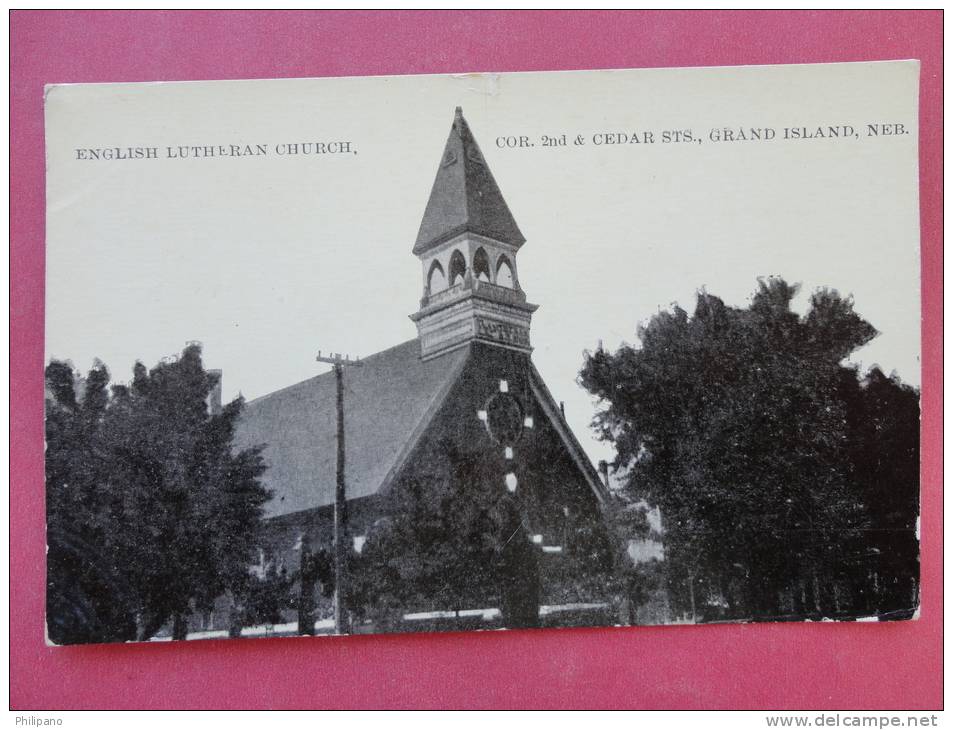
(144, 477)
(884, 422)
(87, 596)
(734, 422)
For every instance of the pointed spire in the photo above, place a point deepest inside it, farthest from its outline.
(465, 197)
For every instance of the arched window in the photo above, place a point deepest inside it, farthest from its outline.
(504, 273)
(458, 268)
(481, 265)
(436, 281)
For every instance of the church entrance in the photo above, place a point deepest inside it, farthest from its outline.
(519, 580)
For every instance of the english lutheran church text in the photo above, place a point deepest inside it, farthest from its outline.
(183, 152)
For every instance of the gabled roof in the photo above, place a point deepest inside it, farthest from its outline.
(578, 454)
(388, 402)
(465, 197)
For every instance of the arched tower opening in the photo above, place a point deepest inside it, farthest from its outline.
(436, 279)
(458, 268)
(481, 265)
(504, 273)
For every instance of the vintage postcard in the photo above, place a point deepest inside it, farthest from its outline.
(482, 351)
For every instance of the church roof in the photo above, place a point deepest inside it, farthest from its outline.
(465, 197)
(388, 402)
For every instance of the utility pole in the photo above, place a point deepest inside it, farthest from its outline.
(341, 623)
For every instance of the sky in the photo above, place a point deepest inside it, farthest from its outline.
(266, 259)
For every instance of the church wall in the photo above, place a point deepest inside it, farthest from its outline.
(285, 535)
(555, 498)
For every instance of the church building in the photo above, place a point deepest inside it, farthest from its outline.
(460, 406)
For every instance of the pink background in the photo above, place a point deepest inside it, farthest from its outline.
(819, 666)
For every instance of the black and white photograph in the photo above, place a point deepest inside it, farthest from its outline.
(482, 351)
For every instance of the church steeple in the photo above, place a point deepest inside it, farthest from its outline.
(465, 197)
(467, 244)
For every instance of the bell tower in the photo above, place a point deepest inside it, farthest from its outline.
(467, 246)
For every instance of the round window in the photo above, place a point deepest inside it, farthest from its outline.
(504, 418)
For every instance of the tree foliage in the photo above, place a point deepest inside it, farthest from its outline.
(746, 428)
(448, 544)
(150, 511)
(267, 597)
